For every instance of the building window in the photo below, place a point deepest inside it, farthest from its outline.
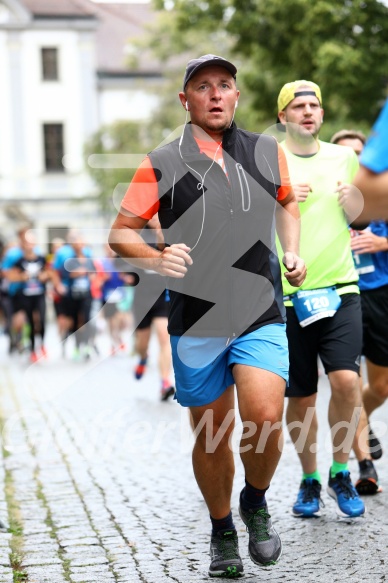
(50, 64)
(53, 147)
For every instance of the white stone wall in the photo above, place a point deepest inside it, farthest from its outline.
(27, 103)
(78, 100)
(6, 138)
(133, 104)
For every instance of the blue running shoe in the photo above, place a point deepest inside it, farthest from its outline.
(345, 494)
(307, 504)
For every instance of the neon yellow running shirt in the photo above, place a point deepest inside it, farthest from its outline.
(325, 238)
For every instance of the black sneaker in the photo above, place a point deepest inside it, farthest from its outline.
(224, 555)
(165, 394)
(368, 482)
(265, 546)
(376, 451)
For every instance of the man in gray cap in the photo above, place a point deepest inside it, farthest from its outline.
(217, 190)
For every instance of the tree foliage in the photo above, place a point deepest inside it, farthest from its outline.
(340, 44)
(110, 163)
(126, 138)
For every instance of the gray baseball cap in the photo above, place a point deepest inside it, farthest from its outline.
(205, 61)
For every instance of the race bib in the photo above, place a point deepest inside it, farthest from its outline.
(80, 288)
(313, 305)
(33, 287)
(115, 296)
(81, 284)
(363, 263)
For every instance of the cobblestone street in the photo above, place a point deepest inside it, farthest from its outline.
(96, 485)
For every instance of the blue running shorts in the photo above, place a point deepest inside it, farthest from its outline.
(203, 366)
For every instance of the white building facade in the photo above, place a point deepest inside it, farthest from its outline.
(54, 95)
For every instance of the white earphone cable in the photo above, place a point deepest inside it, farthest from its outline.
(200, 185)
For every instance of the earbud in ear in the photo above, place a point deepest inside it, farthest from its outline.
(187, 106)
(236, 105)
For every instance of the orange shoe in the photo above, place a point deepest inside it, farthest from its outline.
(140, 369)
(34, 357)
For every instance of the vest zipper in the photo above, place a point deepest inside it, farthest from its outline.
(231, 287)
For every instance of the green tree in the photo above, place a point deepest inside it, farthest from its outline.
(110, 152)
(112, 155)
(340, 44)
(166, 41)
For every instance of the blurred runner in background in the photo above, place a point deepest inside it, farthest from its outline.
(370, 252)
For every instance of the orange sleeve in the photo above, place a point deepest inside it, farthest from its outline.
(285, 183)
(141, 198)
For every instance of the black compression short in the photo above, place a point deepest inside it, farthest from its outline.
(160, 309)
(337, 341)
(374, 305)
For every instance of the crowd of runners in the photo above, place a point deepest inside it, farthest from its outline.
(84, 294)
(215, 190)
(218, 191)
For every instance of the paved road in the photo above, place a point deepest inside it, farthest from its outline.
(97, 486)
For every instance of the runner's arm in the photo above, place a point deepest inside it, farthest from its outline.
(288, 229)
(16, 274)
(374, 188)
(126, 241)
